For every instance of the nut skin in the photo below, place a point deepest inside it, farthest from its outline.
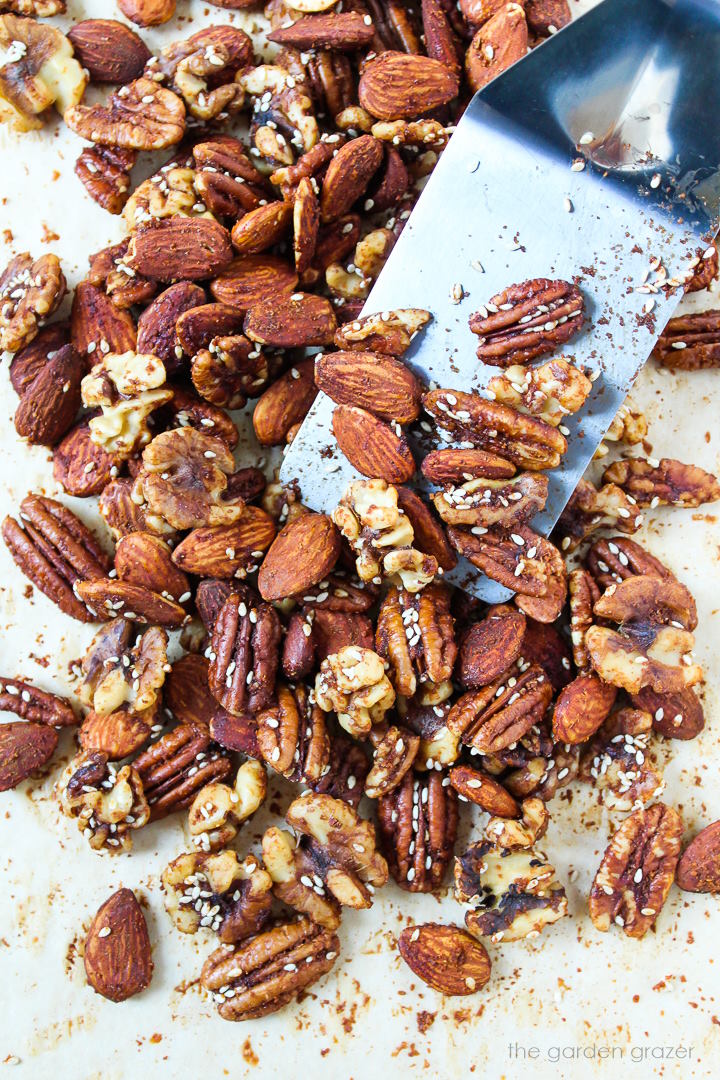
(336, 30)
(110, 51)
(501, 41)
(447, 958)
(135, 602)
(371, 446)
(490, 647)
(257, 969)
(284, 404)
(396, 86)
(648, 841)
(413, 837)
(490, 721)
(245, 645)
(180, 247)
(504, 340)
(301, 555)
(146, 560)
(50, 403)
(379, 384)
(118, 965)
(668, 483)
(94, 319)
(452, 466)
(699, 866)
(55, 551)
(25, 746)
(348, 175)
(581, 708)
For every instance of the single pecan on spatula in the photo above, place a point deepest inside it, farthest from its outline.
(527, 320)
(56, 552)
(637, 870)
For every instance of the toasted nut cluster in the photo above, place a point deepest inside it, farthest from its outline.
(243, 256)
(353, 684)
(381, 536)
(108, 803)
(217, 891)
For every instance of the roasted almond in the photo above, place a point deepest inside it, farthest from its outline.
(180, 247)
(348, 175)
(24, 748)
(80, 466)
(484, 790)
(252, 279)
(229, 550)
(499, 43)
(261, 228)
(49, 405)
(399, 86)
(380, 384)
(699, 866)
(451, 466)
(582, 706)
(336, 30)
(29, 361)
(371, 446)
(135, 602)
(156, 331)
(148, 12)
(96, 324)
(491, 646)
(290, 322)
(196, 327)
(429, 535)
(306, 225)
(301, 555)
(118, 955)
(445, 957)
(284, 404)
(146, 560)
(111, 51)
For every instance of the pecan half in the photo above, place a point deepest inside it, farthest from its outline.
(501, 503)
(583, 594)
(637, 870)
(141, 115)
(55, 551)
(38, 706)
(263, 974)
(176, 767)
(105, 173)
(418, 825)
(663, 483)
(415, 632)
(497, 715)
(446, 958)
(512, 894)
(292, 736)
(217, 891)
(226, 179)
(690, 342)
(611, 561)
(526, 321)
(526, 441)
(30, 290)
(245, 651)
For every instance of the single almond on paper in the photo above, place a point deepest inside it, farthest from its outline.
(445, 957)
(118, 956)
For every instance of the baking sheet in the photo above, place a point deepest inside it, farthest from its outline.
(572, 1003)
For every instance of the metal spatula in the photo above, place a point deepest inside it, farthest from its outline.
(632, 90)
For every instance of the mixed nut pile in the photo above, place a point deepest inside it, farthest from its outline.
(328, 650)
